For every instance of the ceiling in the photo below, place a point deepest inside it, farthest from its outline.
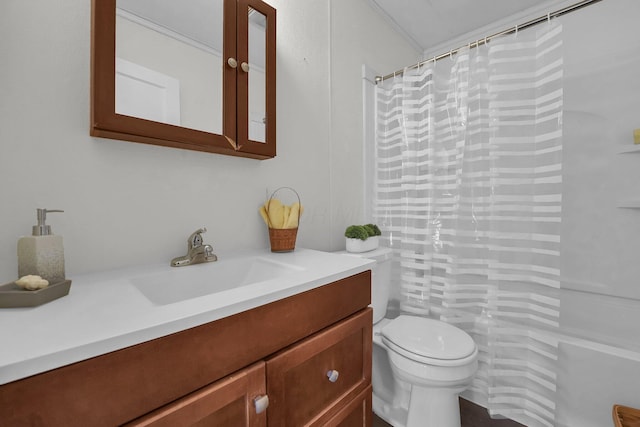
(426, 24)
(430, 23)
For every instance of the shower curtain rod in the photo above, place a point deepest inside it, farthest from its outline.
(486, 40)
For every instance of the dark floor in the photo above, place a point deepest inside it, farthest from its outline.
(471, 415)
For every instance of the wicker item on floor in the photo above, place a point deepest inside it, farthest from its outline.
(624, 416)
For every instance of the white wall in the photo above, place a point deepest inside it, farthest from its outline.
(127, 203)
(359, 36)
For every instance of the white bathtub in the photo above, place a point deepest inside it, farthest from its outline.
(592, 378)
(599, 358)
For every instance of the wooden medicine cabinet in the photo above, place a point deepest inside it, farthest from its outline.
(198, 75)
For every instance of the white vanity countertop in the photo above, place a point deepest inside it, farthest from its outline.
(105, 312)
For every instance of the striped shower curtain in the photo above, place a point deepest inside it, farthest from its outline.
(467, 191)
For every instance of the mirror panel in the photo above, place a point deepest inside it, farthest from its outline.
(257, 75)
(169, 62)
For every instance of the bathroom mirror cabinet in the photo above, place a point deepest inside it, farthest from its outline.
(199, 75)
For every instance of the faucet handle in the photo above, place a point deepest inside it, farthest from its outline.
(195, 240)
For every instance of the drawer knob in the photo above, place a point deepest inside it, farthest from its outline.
(333, 375)
(261, 403)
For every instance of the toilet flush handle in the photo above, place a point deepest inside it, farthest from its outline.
(333, 375)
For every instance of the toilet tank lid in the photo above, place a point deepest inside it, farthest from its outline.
(429, 338)
(379, 254)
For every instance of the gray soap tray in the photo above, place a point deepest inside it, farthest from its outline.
(12, 295)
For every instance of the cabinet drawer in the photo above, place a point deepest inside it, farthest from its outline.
(299, 374)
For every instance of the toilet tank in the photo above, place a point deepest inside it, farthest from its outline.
(380, 279)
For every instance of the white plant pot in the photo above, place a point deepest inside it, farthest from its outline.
(357, 245)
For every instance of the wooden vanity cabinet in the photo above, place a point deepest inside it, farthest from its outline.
(210, 375)
(296, 382)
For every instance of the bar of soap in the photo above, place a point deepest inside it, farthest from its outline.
(32, 282)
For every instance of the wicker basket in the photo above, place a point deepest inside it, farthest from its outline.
(283, 239)
(624, 416)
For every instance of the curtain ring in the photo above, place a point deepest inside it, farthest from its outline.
(451, 54)
(549, 17)
(516, 30)
(434, 60)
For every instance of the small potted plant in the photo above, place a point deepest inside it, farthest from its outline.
(362, 238)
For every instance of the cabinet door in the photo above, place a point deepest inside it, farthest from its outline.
(225, 403)
(313, 381)
(256, 78)
(357, 413)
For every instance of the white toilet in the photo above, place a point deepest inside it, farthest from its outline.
(420, 365)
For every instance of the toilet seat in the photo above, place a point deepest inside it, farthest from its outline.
(429, 341)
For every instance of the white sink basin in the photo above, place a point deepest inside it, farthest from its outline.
(183, 283)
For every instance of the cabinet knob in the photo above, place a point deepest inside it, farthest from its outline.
(261, 403)
(333, 375)
(232, 62)
(245, 67)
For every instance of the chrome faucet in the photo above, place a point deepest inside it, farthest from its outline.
(196, 251)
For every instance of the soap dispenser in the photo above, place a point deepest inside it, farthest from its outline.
(42, 253)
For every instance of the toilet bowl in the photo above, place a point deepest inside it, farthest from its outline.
(420, 365)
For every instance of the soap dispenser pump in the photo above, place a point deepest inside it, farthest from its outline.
(42, 253)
